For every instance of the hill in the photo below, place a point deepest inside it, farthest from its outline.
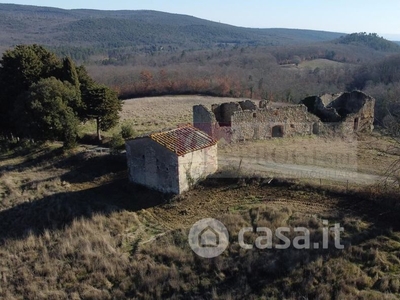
(22, 24)
(371, 40)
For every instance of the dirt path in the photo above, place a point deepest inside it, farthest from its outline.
(268, 169)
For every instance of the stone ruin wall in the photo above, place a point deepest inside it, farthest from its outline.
(239, 121)
(366, 116)
(205, 120)
(341, 114)
(344, 113)
(259, 124)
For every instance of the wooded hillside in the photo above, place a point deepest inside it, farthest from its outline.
(94, 31)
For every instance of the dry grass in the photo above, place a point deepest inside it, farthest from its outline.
(72, 227)
(86, 234)
(156, 113)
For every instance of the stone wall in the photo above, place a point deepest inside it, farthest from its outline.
(353, 112)
(362, 110)
(224, 112)
(205, 120)
(272, 122)
(247, 105)
(246, 121)
(341, 114)
(196, 165)
(154, 166)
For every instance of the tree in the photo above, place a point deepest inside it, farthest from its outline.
(19, 69)
(47, 113)
(41, 96)
(84, 79)
(69, 72)
(102, 104)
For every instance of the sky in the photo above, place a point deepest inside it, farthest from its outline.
(345, 16)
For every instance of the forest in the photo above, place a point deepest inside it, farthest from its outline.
(278, 73)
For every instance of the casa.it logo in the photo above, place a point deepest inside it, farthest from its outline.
(208, 238)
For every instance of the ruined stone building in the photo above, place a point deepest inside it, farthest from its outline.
(171, 161)
(245, 120)
(345, 112)
(240, 121)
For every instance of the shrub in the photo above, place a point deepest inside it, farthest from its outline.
(117, 142)
(127, 131)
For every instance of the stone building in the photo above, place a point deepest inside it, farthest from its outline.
(240, 121)
(345, 112)
(171, 161)
(341, 114)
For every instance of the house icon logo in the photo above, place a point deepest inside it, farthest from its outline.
(208, 238)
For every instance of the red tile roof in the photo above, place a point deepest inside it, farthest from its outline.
(183, 140)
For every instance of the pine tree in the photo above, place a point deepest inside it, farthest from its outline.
(103, 105)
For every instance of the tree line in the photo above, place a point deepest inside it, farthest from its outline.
(43, 97)
(281, 74)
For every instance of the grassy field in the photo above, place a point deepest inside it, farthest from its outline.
(150, 114)
(156, 113)
(73, 227)
(320, 63)
(316, 63)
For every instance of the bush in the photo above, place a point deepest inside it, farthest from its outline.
(127, 131)
(117, 142)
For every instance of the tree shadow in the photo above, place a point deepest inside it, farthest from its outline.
(86, 168)
(60, 210)
(32, 158)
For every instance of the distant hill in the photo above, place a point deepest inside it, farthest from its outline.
(94, 29)
(371, 40)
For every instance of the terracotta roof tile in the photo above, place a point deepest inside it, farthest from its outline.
(183, 140)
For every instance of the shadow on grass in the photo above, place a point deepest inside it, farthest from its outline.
(59, 210)
(85, 169)
(32, 157)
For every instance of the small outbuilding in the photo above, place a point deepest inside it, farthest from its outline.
(171, 161)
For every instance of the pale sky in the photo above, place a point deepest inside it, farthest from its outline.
(345, 16)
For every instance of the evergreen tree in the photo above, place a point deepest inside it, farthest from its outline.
(69, 72)
(47, 114)
(100, 102)
(103, 105)
(42, 97)
(19, 69)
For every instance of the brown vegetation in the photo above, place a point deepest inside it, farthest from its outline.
(237, 72)
(72, 227)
